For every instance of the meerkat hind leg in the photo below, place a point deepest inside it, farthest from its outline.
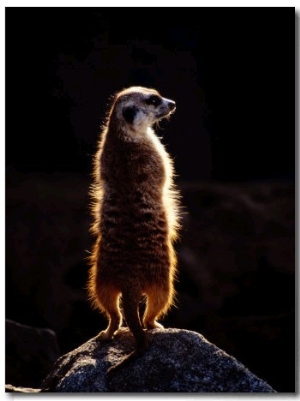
(111, 306)
(157, 301)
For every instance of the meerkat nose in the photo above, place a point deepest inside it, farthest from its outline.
(171, 105)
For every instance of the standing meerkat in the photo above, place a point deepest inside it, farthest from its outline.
(135, 210)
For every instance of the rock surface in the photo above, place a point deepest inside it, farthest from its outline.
(30, 354)
(177, 361)
(12, 389)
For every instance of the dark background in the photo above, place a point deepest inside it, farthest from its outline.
(231, 72)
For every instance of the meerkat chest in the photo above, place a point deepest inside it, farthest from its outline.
(146, 163)
(137, 162)
(149, 159)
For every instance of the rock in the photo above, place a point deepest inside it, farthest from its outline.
(30, 354)
(270, 345)
(12, 389)
(236, 255)
(177, 361)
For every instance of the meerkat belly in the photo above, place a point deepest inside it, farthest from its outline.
(135, 240)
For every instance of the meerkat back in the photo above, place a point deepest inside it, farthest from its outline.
(135, 210)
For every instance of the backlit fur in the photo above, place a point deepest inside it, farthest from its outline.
(135, 212)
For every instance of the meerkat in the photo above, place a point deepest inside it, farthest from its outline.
(135, 216)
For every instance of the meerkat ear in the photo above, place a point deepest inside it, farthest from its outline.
(129, 113)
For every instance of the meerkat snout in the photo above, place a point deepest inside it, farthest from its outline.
(171, 104)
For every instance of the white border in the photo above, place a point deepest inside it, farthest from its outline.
(154, 3)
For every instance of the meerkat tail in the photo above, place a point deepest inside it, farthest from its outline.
(130, 302)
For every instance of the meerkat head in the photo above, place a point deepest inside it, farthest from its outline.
(139, 108)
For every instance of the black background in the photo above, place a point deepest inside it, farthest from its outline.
(237, 66)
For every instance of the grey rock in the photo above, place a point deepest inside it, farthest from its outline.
(176, 361)
(12, 389)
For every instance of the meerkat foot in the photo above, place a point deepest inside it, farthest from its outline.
(105, 335)
(153, 325)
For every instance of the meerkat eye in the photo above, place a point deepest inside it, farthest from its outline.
(154, 100)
